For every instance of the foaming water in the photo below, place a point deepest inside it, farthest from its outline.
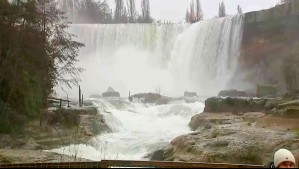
(138, 130)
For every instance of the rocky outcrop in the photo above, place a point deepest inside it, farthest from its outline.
(232, 93)
(190, 94)
(146, 97)
(269, 37)
(234, 105)
(110, 93)
(35, 156)
(60, 127)
(230, 138)
(278, 12)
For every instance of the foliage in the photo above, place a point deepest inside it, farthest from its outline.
(35, 54)
(222, 10)
(98, 11)
(194, 14)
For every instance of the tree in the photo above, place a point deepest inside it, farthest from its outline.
(146, 12)
(131, 10)
(199, 14)
(86, 11)
(240, 11)
(194, 14)
(188, 20)
(222, 10)
(36, 53)
(120, 14)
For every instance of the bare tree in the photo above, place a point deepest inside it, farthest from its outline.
(194, 14)
(158, 90)
(146, 12)
(240, 11)
(222, 10)
(188, 16)
(199, 14)
(131, 10)
(119, 10)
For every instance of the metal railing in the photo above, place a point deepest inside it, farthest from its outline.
(125, 164)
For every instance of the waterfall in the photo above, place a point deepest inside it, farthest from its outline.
(206, 55)
(201, 57)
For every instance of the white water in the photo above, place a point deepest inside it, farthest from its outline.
(172, 57)
(206, 55)
(138, 130)
(141, 57)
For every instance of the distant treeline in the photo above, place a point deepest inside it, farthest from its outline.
(99, 11)
(35, 54)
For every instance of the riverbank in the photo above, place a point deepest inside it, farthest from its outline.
(56, 127)
(240, 136)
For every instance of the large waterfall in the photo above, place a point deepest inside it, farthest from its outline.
(174, 57)
(140, 57)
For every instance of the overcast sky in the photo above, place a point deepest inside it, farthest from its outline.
(175, 10)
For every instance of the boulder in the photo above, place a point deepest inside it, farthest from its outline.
(147, 97)
(110, 93)
(235, 105)
(190, 94)
(229, 138)
(232, 93)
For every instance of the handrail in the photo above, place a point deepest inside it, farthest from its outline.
(120, 163)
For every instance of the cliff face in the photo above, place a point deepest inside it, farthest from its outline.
(269, 37)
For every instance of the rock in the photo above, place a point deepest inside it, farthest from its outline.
(110, 93)
(157, 155)
(235, 105)
(288, 104)
(232, 93)
(164, 100)
(230, 140)
(196, 121)
(147, 97)
(271, 104)
(190, 94)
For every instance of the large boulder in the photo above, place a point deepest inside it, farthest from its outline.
(147, 97)
(232, 93)
(229, 138)
(190, 94)
(110, 93)
(235, 105)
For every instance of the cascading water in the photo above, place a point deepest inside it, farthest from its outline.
(206, 55)
(138, 58)
(138, 128)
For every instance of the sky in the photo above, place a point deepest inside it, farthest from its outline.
(175, 10)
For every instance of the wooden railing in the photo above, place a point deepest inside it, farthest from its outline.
(144, 164)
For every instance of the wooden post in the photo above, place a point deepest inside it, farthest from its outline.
(79, 96)
(82, 100)
(60, 103)
(68, 102)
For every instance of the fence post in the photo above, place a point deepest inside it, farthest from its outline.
(82, 100)
(60, 103)
(68, 102)
(79, 96)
